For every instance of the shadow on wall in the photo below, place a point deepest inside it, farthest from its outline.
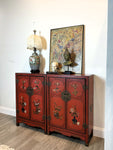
(99, 101)
(42, 63)
(42, 59)
(44, 43)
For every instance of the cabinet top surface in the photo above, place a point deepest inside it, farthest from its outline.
(60, 75)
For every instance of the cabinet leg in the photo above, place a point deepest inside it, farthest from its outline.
(17, 124)
(45, 132)
(86, 144)
(48, 132)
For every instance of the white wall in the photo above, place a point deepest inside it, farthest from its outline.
(17, 19)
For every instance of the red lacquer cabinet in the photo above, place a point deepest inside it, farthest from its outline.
(31, 99)
(60, 103)
(70, 105)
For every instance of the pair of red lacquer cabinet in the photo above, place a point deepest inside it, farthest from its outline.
(60, 103)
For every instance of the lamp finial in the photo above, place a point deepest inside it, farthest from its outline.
(34, 32)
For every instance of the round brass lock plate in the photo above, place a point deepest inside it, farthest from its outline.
(29, 91)
(66, 96)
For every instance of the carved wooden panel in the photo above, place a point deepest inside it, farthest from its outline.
(76, 106)
(23, 83)
(23, 105)
(37, 108)
(76, 87)
(57, 86)
(75, 115)
(37, 85)
(56, 104)
(37, 100)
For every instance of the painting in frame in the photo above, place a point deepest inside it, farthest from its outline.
(71, 38)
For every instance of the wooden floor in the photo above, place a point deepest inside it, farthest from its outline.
(24, 137)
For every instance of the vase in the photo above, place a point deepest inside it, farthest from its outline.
(34, 62)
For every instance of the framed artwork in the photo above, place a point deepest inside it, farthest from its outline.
(67, 38)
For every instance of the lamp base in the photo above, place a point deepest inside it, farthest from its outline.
(35, 71)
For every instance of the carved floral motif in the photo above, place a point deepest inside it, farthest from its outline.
(37, 107)
(36, 85)
(75, 92)
(56, 89)
(23, 84)
(56, 111)
(23, 104)
(75, 115)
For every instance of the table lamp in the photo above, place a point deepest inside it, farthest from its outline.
(34, 43)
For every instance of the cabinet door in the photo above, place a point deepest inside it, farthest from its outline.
(56, 106)
(76, 106)
(37, 99)
(22, 97)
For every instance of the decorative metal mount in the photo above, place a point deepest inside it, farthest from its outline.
(17, 111)
(29, 91)
(85, 87)
(85, 126)
(46, 83)
(91, 108)
(17, 80)
(49, 118)
(66, 96)
(44, 117)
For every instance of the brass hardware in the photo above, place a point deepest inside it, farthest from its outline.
(44, 83)
(85, 126)
(49, 84)
(29, 91)
(17, 81)
(49, 118)
(85, 87)
(91, 107)
(44, 117)
(66, 96)
(17, 111)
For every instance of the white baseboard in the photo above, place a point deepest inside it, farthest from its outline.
(8, 111)
(97, 131)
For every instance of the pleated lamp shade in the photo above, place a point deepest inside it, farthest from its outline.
(34, 41)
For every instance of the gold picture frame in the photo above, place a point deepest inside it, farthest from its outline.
(71, 38)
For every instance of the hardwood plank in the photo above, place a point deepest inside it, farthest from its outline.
(24, 137)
